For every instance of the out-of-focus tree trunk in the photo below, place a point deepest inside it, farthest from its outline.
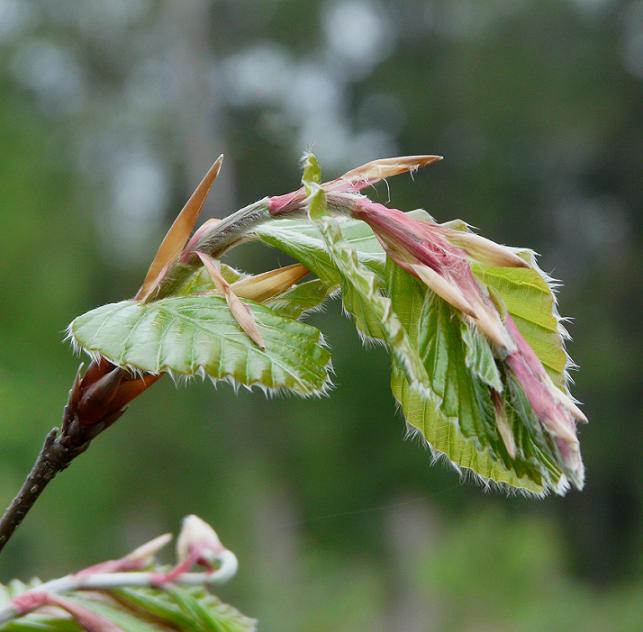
(200, 127)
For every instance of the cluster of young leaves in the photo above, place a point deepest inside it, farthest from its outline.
(442, 366)
(193, 609)
(441, 363)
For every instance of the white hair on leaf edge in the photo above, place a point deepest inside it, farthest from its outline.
(467, 475)
(182, 379)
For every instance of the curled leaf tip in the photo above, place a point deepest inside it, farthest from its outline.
(197, 541)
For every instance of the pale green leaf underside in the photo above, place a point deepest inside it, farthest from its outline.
(190, 335)
(302, 240)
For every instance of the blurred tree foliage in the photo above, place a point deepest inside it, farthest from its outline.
(110, 113)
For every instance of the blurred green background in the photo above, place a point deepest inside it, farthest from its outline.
(110, 112)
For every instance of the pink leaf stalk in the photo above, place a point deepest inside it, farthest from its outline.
(87, 619)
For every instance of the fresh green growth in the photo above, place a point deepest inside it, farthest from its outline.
(460, 390)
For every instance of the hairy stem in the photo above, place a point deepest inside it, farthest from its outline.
(229, 232)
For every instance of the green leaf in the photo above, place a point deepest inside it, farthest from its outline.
(198, 335)
(316, 202)
(530, 300)
(445, 439)
(192, 609)
(300, 299)
(312, 171)
(311, 179)
(436, 331)
(458, 419)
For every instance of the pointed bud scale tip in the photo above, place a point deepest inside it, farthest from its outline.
(261, 287)
(485, 250)
(441, 286)
(179, 233)
(147, 552)
(95, 402)
(376, 170)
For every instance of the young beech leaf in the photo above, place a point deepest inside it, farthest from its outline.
(302, 240)
(371, 310)
(362, 299)
(463, 425)
(528, 293)
(197, 335)
(457, 414)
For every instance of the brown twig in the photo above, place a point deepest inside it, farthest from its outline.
(96, 400)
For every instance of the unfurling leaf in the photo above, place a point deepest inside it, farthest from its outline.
(134, 593)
